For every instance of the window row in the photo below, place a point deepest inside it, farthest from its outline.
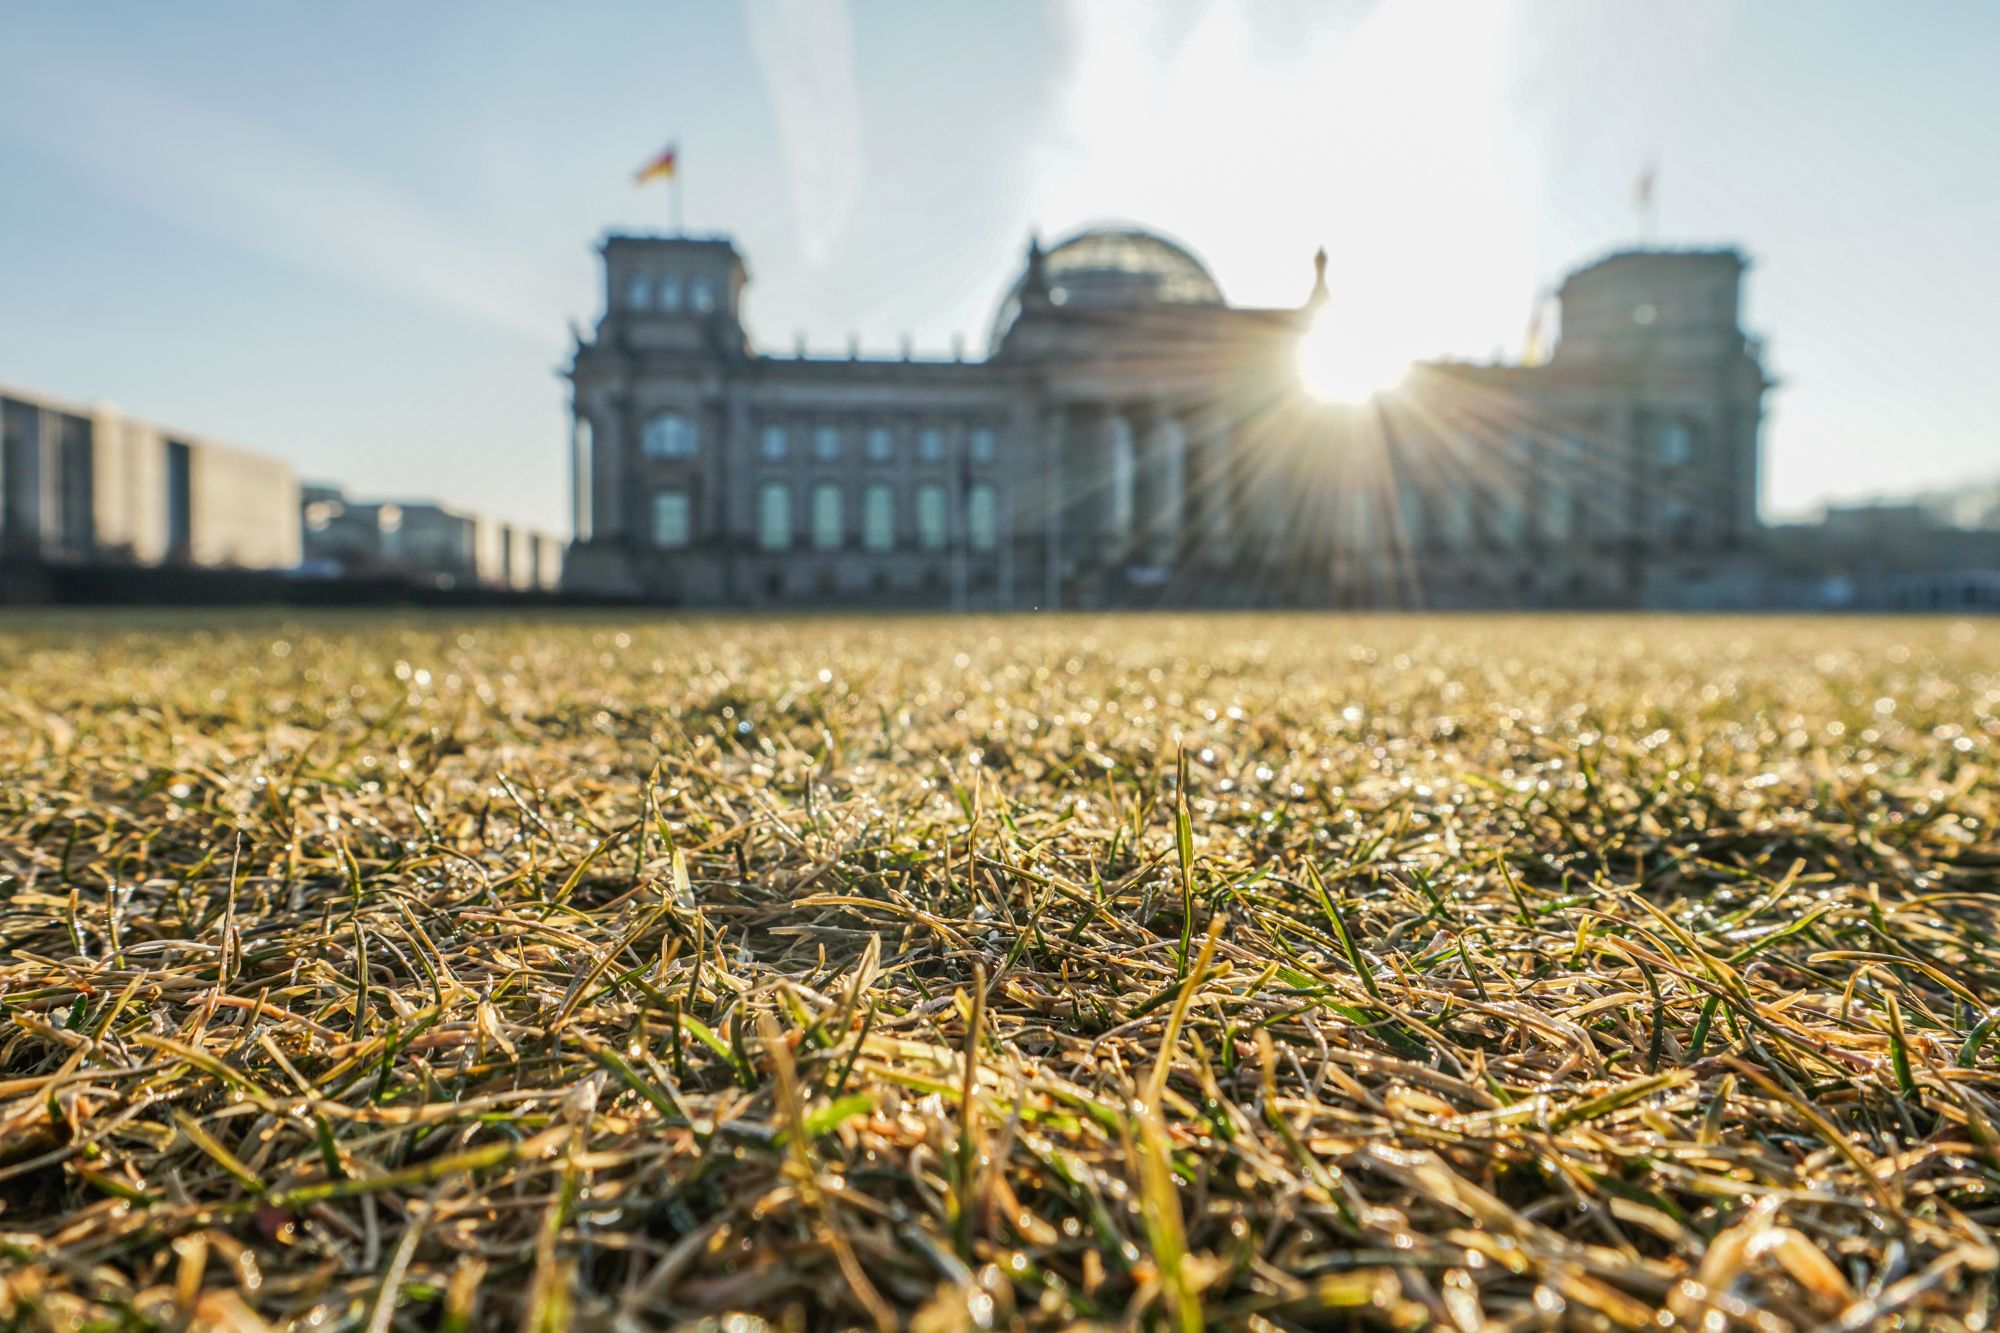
(829, 443)
(643, 292)
(1508, 515)
(930, 526)
(673, 435)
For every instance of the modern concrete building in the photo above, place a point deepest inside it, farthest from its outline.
(1131, 438)
(1939, 552)
(90, 485)
(424, 542)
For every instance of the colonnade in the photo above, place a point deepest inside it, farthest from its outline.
(1134, 487)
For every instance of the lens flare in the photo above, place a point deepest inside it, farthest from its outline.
(1339, 362)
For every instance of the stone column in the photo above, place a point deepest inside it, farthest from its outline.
(1085, 485)
(631, 502)
(1054, 499)
(1121, 469)
(582, 451)
(1212, 499)
(733, 490)
(610, 436)
(1017, 478)
(1170, 467)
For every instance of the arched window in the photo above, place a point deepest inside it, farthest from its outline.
(878, 517)
(639, 292)
(931, 517)
(668, 435)
(982, 517)
(774, 516)
(670, 294)
(701, 296)
(828, 522)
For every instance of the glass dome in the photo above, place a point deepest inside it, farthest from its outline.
(1115, 268)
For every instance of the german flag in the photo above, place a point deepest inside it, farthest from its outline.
(660, 168)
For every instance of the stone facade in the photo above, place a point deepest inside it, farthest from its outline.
(1130, 438)
(90, 485)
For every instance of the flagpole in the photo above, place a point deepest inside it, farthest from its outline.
(675, 181)
(1647, 202)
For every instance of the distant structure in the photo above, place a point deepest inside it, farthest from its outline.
(424, 543)
(1938, 552)
(1132, 438)
(90, 485)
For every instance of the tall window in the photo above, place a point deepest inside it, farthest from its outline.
(930, 444)
(1559, 510)
(826, 444)
(1677, 522)
(668, 435)
(1360, 520)
(774, 516)
(1410, 504)
(673, 519)
(670, 294)
(881, 444)
(639, 292)
(1510, 513)
(827, 520)
(982, 517)
(73, 481)
(931, 517)
(878, 517)
(984, 444)
(701, 296)
(1676, 444)
(1460, 530)
(774, 444)
(1568, 488)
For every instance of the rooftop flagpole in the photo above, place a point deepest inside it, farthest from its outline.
(666, 163)
(1643, 201)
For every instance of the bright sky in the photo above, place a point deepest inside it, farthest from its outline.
(354, 235)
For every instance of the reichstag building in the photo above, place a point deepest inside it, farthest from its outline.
(1130, 438)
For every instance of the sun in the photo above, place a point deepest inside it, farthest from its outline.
(1339, 362)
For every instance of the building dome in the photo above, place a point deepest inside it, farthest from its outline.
(1112, 268)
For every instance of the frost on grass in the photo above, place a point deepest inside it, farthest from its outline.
(1282, 971)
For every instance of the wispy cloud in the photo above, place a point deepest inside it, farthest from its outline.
(805, 49)
(168, 156)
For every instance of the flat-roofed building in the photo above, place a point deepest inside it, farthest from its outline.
(92, 485)
(425, 542)
(1130, 437)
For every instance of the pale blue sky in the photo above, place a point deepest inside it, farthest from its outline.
(353, 234)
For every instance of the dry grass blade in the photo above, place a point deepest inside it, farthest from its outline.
(1275, 971)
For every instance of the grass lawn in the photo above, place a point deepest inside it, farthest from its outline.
(458, 971)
